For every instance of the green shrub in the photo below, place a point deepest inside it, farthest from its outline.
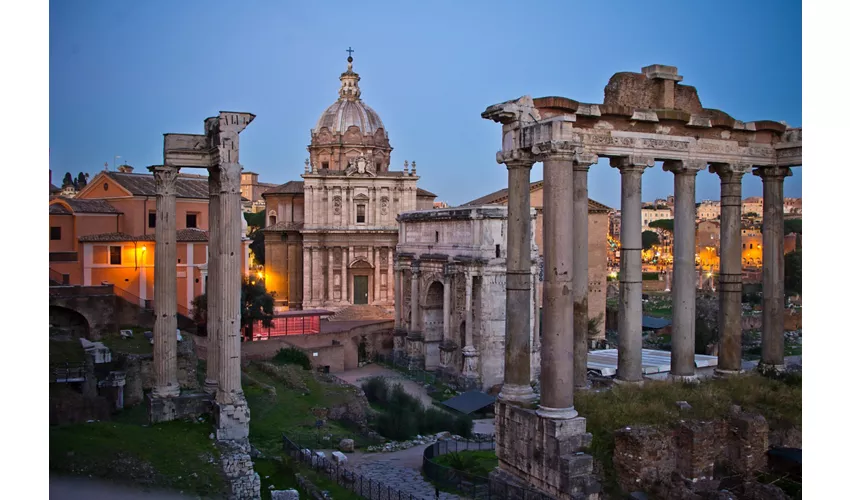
(377, 390)
(650, 276)
(292, 356)
(463, 425)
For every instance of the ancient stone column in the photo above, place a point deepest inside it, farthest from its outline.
(345, 274)
(308, 275)
(517, 385)
(467, 333)
(319, 269)
(398, 300)
(729, 324)
(230, 248)
(415, 313)
(556, 353)
(390, 272)
(682, 365)
(773, 268)
(447, 307)
(331, 291)
(213, 284)
(629, 313)
(165, 279)
(581, 165)
(377, 279)
(470, 352)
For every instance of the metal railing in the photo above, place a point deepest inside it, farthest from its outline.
(447, 478)
(363, 486)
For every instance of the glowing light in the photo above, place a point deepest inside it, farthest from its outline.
(144, 248)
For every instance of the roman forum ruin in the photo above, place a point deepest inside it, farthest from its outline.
(217, 150)
(645, 117)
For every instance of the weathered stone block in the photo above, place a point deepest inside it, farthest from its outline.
(183, 406)
(231, 420)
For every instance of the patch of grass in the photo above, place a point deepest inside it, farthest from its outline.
(475, 462)
(66, 351)
(139, 344)
(175, 455)
(779, 401)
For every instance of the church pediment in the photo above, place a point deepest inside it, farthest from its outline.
(360, 167)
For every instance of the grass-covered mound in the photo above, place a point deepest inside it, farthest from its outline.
(403, 416)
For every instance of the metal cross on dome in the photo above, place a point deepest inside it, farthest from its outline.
(350, 50)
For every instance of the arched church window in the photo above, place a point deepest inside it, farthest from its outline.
(272, 218)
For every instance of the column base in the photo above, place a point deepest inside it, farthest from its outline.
(210, 386)
(522, 395)
(764, 368)
(416, 362)
(231, 419)
(686, 379)
(718, 373)
(557, 413)
(637, 383)
(168, 391)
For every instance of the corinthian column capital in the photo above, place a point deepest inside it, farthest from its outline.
(632, 163)
(772, 173)
(729, 171)
(685, 167)
(516, 158)
(165, 178)
(582, 161)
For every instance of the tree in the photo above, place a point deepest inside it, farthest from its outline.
(793, 226)
(68, 180)
(257, 304)
(649, 239)
(82, 180)
(256, 222)
(663, 224)
(794, 271)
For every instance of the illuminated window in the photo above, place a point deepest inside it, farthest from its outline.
(115, 255)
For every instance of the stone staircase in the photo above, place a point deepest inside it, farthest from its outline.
(362, 313)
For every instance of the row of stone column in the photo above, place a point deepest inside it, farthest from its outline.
(314, 262)
(223, 288)
(564, 353)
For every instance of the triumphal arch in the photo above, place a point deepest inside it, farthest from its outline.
(645, 118)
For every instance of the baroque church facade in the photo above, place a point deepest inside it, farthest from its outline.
(330, 238)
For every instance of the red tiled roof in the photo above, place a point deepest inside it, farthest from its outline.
(187, 186)
(80, 206)
(291, 187)
(183, 235)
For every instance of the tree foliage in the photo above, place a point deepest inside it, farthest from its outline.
(256, 222)
(794, 226)
(649, 239)
(68, 180)
(257, 304)
(794, 271)
(81, 181)
(664, 224)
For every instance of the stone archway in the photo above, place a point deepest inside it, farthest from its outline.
(432, 323)
(68, 324)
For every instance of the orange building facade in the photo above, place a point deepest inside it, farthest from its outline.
(106, 235)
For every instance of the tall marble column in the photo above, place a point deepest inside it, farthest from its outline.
(556, 359)
(773, 268)
(415, 312)
(390, 272)
(468, 319)
(630, 311)
(469, 351)
(398, 300)
(517, 385)
(377, 297)
(729, 353)
(581, 165)
(165, 278)
(213, 284)
(344, 274)
(447, 307)
(331, 287)
(308, 275)
(230, 256)
(682, 367)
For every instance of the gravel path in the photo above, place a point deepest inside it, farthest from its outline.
(401, 478)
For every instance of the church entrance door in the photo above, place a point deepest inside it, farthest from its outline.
(361, 289)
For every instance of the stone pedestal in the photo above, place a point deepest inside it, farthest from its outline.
(469, 375)
(448, 351)
(415, 351)
(545, 454)
(231, 419)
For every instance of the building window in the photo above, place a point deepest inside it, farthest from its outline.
(55, 233)
(325, 165)
(191, 220)
(272, 220)
(115, 255)
(378, 166)
(498, 251)
(361, 214)
(151, 219)
(437, 237)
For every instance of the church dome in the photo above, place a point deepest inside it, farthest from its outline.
(346, 113)
(347, 130)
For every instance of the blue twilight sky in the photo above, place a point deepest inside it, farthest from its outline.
(124, 73)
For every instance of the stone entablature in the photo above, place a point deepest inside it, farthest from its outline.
(455, 322)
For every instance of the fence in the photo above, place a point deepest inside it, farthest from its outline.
(365, 487)
(447, 478)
